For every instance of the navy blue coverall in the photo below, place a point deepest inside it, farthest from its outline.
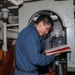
(28, 48)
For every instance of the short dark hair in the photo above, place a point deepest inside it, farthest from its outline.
(46, 19)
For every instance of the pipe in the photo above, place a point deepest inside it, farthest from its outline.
(12, 30)
(10, 34)
(4, 47)
(13, 7)
(9, 25)
(16, 2)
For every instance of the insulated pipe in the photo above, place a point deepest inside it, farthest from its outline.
(12, 30)
(4, 47)
(10, 34)
(12, 25)
(13, 7)
(16, 2)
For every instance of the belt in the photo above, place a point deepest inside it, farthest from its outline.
(23, 70)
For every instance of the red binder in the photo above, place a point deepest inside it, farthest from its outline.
(59, 49)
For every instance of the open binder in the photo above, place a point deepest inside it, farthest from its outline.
(59, 49)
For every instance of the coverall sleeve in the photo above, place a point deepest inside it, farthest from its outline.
(32, 52)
